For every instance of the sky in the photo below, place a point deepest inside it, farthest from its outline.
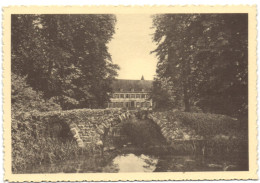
(131, 46)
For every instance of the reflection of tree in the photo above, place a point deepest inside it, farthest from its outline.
(162, 165)
(150, 162)
(111, 168)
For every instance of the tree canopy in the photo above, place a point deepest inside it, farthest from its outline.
(202, 61)
(65, 57)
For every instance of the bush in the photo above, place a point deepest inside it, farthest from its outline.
(208, 124)
(25, 99)
(30, 143)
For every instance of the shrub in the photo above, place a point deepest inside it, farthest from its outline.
(208, 124)
(25, 99)
(30, 143)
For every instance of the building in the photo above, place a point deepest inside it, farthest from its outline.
(131, 94)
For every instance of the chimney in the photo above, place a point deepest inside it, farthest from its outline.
(142, 77)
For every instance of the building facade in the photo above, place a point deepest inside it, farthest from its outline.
(131, 94)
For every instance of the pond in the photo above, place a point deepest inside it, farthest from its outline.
(134, 161)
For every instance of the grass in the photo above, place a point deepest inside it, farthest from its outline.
(43, 151)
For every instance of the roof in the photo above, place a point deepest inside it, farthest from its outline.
(127, 85)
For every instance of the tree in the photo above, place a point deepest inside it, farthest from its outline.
(204, 58)
(65, 57)
(25, 99)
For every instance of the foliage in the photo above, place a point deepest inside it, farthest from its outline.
(202, 61)
(210, 125)
(40, 139)
(42, 151)
(25, 99)
(29, 137)
(65, 57)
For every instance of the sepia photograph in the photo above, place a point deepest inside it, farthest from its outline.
(130, 93)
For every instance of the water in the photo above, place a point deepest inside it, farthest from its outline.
(135, 162)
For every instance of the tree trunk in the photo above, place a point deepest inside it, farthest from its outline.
(186, 98)
(186, 86)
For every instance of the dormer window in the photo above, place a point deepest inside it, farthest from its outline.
(142, 90)
(121, 89)
(132, 89)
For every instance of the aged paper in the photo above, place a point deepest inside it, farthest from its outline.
(129, 11)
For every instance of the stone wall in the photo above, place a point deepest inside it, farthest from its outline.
(201, 132)
(87, 126)
(172, 128)
(94, 128)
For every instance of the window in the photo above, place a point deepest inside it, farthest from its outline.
(132, 95)
(115, 95)
(132, 89)
(121, 90)
(143, 96)
(137, 104)
(127, 96)
(122, 96)
(137, 96)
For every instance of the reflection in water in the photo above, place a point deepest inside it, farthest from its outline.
(133, 163)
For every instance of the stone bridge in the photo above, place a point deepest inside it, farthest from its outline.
(89, 127)
(93, 128)
(95, 125)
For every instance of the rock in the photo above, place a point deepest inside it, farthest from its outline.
(123, 116)
(99, 143)
(73, 131)
(76, 136)
(80, 143)
(100, 131)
